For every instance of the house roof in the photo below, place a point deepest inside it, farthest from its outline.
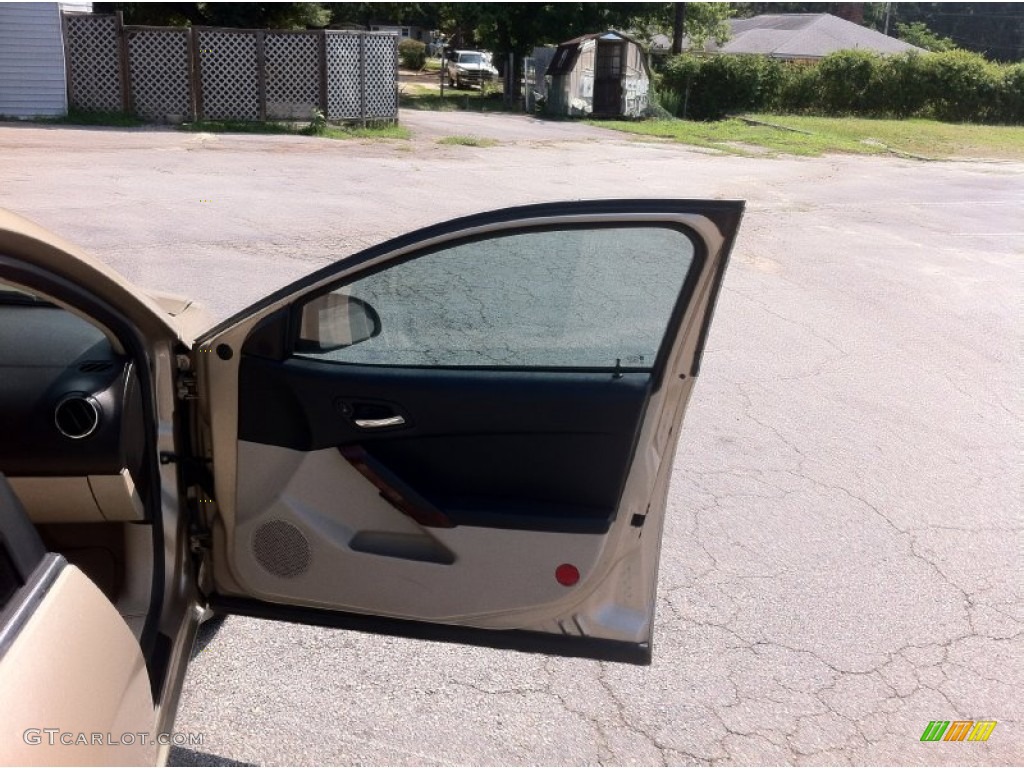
(804, 36)
(568, 52)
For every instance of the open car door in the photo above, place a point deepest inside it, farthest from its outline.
(465, 433)
(73, 682)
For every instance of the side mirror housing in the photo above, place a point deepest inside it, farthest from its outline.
(335, 321)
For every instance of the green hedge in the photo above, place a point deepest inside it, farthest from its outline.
(954, 85)
(412, 53)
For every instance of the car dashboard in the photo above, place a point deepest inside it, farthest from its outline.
(71, 409)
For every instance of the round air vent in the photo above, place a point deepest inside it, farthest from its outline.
(77, 416)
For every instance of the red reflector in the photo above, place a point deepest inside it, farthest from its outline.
(567, 575)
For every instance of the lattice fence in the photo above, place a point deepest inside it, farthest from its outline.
(93, 54)
(292, 67)
(162, 73)
(362, 73)
(380, 73)
(159, 61)
(344, 94)
(228, 75)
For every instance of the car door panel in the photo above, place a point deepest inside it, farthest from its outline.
(315, 530)
(553, 456)
(499, 461)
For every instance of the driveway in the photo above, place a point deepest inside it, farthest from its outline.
(842, 557)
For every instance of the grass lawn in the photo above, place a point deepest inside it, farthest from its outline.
(416, 96)
(468, 141)
(814, 136)
(82, 117)
(331, 131)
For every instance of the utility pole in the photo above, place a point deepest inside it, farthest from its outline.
(888, 13)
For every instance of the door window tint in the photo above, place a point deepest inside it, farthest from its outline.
(575, 298)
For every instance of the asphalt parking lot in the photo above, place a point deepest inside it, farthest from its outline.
(842, 559)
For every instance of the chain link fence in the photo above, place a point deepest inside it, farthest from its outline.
(203, 73)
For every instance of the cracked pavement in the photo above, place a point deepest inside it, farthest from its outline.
(842, 557)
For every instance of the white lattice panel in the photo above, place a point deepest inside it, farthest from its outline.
(292, 67)
(228, 75)
(381, 52)
(362, 72)
(158, 61)
(93, 59)
(343, 97)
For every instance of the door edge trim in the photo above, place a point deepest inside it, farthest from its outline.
(27, 599)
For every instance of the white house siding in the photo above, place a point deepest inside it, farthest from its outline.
(32, 77)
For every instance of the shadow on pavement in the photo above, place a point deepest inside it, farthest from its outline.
(207, 631)
(183, 756)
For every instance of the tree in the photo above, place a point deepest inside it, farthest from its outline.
(693, 22)
(917, 33)
(266, 15)
(247, 15)
(518, 27)
(424, 15)
(706, 21)
(678, 28)
(155, 14)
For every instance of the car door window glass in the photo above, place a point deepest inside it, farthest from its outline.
(575, 298)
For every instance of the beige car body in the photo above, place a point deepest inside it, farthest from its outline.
(97, 683)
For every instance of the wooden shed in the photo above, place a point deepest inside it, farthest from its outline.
(604, 74)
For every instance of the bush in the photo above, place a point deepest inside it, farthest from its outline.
(666, 104)
(412, 53)
(1010, 104)
(680, 72)
(902, 86)
(953, 85)
(798, 91)
(730, 84)
(719, 85)
(847, 82)
(962, 86)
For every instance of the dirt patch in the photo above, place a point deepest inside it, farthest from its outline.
(422, 77)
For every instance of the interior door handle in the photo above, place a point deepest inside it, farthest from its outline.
(390, 421)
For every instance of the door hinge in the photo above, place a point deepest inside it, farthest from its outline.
(185, 384)
(200, 541)
(194, 472)
(195, 475)
(187, 387)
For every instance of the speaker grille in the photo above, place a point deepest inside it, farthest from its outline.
(281, 549)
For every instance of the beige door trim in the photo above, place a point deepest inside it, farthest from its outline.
(73, 682)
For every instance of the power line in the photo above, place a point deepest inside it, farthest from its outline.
(978, 15)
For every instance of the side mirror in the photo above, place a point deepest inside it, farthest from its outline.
(335, 321)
